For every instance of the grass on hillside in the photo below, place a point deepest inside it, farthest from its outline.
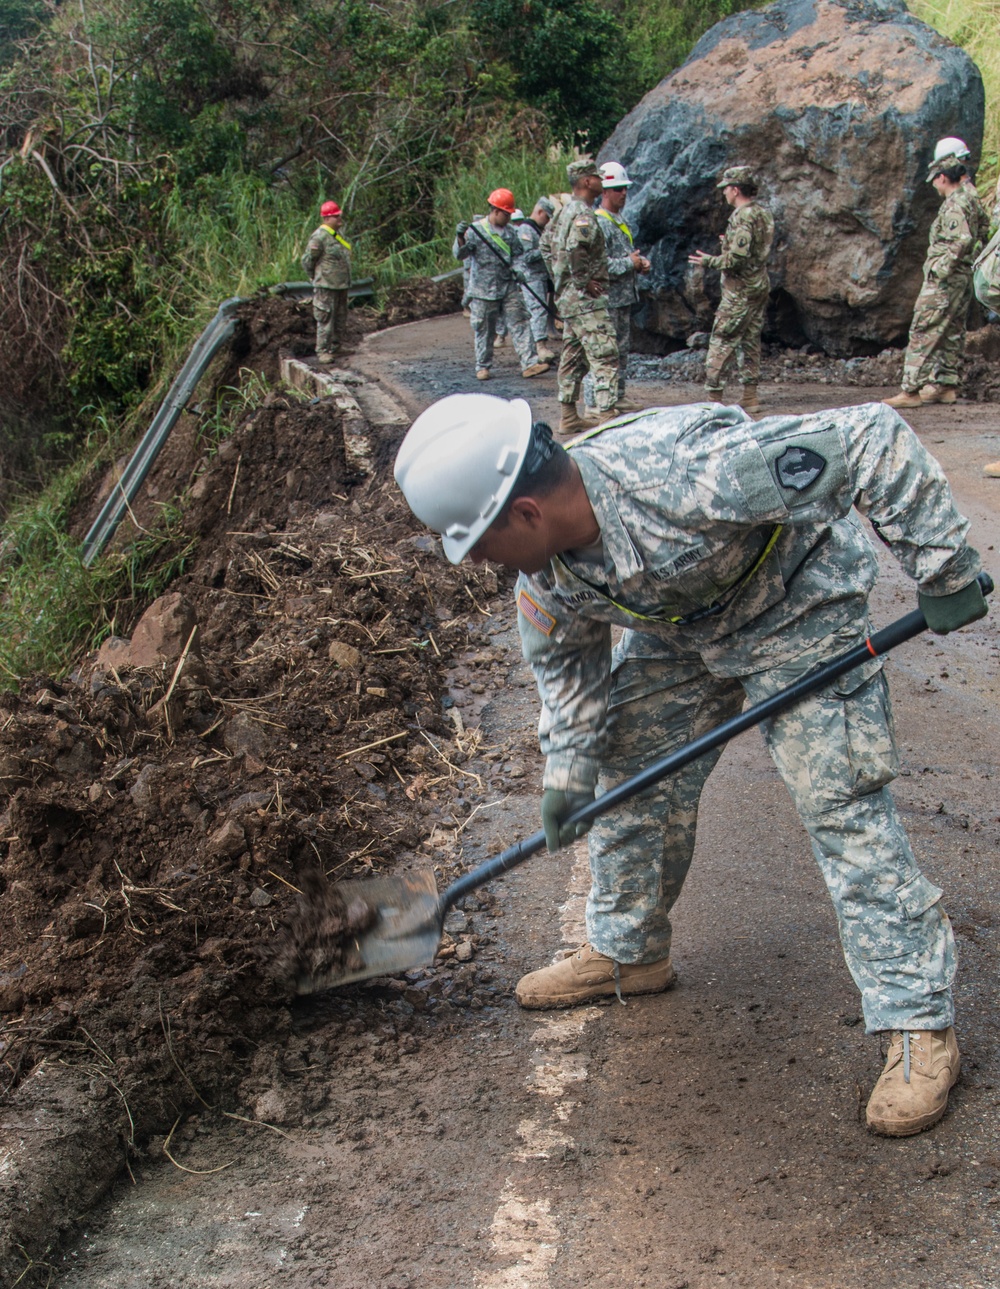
(975, 25)
(53, 607)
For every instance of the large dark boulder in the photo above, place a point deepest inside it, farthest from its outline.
(837, 104)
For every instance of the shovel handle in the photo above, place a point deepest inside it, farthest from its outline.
(896, 633)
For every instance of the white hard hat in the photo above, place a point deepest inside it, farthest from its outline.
(458, 463)
(614, 175)
(951, 148)
(518, 214)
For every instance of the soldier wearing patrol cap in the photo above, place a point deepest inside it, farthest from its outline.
(937, 331)
(733, 556)
(746, 245)
(576, 259)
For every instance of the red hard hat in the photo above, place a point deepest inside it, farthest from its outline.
(329, 208)
(503, 199)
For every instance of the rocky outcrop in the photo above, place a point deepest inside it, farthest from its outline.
(837, 104)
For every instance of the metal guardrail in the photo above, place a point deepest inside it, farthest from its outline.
(447, 277)
(218, 333)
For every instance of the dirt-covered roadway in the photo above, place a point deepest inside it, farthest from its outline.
(711, 1136)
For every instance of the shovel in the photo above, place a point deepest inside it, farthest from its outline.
(409, 913)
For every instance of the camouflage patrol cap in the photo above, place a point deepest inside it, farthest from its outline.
(736, 175)
(546, 204)
(581, 170)
(941, 164)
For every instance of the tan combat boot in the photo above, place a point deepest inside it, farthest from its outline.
(938, 394)
(545, 354)
(912, 1091)
(571, 422)
(587, 974)
(612, 414)
(992, 471)
(749, 400)
(325, 358)
(536, 369)
(483, 373)
(904, 399)
(714, 393)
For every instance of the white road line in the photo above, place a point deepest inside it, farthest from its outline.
(523, 1229)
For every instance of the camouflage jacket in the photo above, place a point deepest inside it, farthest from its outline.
(623, 286)
(326, 260)
(746, 245)
(494, 255)
(530, 236)
(574, 253)
(955, 237)
(736, 541)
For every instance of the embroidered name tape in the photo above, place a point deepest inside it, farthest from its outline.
(535, 614)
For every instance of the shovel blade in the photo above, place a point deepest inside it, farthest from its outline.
(406, 932)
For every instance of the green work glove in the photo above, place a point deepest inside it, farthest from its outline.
(556, 808)
(462, 228)
(946, 613)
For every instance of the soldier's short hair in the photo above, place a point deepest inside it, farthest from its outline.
(546, 465)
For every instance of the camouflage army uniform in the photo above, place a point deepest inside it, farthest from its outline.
(623, 293)
(745, 286)
(326, 262)
(937, 332)
(536, 277)
(699, 507)
(493, 290)
(574, 252)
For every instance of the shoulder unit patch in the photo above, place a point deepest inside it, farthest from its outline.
(535, 614)
(799, 468)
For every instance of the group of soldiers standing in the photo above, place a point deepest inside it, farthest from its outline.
(588, 256)
(576, 266)
(588, 253)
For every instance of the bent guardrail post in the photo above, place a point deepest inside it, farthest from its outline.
(218, 332)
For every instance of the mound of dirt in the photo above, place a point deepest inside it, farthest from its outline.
(421, 298)
(161, 821)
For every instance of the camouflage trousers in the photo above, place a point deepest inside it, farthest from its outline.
(836, 753)
(589, 345)
(937, 333)
(330, 312)
(538, 315)
(736, 338)
(621, 320)
(487, 314)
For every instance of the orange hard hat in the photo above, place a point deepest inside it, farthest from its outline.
(329, 208)
(503, 199)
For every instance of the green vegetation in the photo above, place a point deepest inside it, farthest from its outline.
(159, 156)
(52, 607)
(975, 25)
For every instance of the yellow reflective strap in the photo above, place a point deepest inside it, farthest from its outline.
(615, 424)
(620, 223)
(342, 240)
(485, 226)
(710, 610)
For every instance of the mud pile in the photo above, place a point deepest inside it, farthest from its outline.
(275, 721)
